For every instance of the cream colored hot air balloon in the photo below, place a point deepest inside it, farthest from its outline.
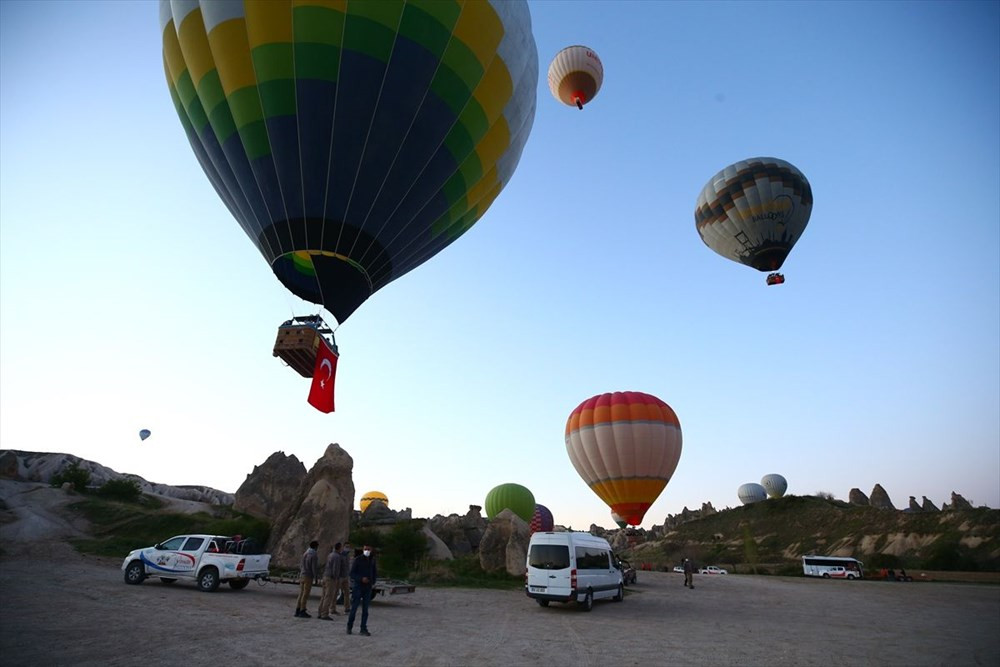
(751, 492)
(371, 496)
(774, 484)
(754, 211)
(625, 446)
(575, 75)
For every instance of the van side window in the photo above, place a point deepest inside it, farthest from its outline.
(591, 558)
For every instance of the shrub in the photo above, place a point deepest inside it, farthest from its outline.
(126, 490)
(73, 474)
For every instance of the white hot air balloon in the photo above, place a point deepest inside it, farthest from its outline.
(575, 75)
(774, 484)
(751, 492)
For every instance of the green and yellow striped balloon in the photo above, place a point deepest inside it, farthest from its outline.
(352, 139)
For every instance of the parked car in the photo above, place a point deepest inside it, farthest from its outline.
(208, 560)
(572, 567)
(712, 569)
(679, 569)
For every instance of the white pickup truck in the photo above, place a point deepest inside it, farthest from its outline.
(207, 560)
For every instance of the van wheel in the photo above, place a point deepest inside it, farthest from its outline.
(542, 603)
(588, 601)
(621, 594)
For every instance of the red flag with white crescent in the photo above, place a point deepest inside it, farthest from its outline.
(324, 375)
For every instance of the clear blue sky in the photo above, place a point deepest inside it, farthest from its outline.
(130, 298)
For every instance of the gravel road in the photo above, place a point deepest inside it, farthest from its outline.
(60, 608)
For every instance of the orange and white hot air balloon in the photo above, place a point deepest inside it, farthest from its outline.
(575, 75)
(625, 446)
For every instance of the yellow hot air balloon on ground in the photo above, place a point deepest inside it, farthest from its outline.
(367, 499)
(625, 446)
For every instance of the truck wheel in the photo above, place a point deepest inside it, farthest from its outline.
(621, 594)
(166, 580)
(135, 573)
(826, 575)
(238, 584)
(542, 603)
(208, 579)
(588, 601)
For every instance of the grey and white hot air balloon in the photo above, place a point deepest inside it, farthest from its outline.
(774, 484)
(751, 492)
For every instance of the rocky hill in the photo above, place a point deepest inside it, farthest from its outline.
(41, 466)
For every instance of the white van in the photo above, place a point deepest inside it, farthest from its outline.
(572, 567)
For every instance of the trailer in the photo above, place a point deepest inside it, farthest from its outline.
(383, 587)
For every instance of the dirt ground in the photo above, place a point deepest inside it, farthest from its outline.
(58, 607)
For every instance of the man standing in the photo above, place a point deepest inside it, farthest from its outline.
(307, 573)
(329, 584)
(341, 581)
(363, 577)
(688, 573)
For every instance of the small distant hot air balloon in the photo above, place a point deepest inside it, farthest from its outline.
(514, 497)
(575, 75)
(371, 496)
(754, 211)
(618, 520)
(751, 492)
(541, 521)
(144, 433)
(625, 445)
(774, 484)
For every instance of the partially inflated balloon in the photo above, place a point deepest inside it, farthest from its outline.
(754, 211)
(751, 492)
(620, 522)
(514, 497)
(144, 433)
(371, 496)
(774, 484)
(355, 140)
(541, 520)
(575, 75)
(625, 446)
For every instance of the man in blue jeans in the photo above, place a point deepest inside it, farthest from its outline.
(363, 577)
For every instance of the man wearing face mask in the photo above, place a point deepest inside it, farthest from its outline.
(363, 577)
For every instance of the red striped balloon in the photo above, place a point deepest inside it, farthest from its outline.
(542, 521)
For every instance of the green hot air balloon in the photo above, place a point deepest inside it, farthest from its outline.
(355, 140)
(514, 497)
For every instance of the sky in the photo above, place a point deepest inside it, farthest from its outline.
(130, 298)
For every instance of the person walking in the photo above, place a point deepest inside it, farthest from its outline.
(688, 573)
(307, 573)
(341, 579)
(363, 577)
(329, 584)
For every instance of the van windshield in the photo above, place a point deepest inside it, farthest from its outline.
(549, 556)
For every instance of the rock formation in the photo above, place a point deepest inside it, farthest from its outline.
(461, 534)
(505, 544)
(914, 506)
(320, 510)
(271, 487)
(8, 464)
(436, 548)
(857, 497)
(928, 506)
(957, 503)
(378, 514)
(40, 467)
(880, 499)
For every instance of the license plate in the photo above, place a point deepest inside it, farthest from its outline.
(537, 589)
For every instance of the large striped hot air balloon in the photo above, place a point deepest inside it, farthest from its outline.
(625, 446)
(516, 498)
(754, 211)
(352, 141)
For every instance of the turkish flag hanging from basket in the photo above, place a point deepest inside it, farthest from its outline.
(324, 375)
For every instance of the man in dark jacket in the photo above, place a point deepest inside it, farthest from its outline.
(363, 576)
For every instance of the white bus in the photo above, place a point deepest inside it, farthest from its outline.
(832, 567)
